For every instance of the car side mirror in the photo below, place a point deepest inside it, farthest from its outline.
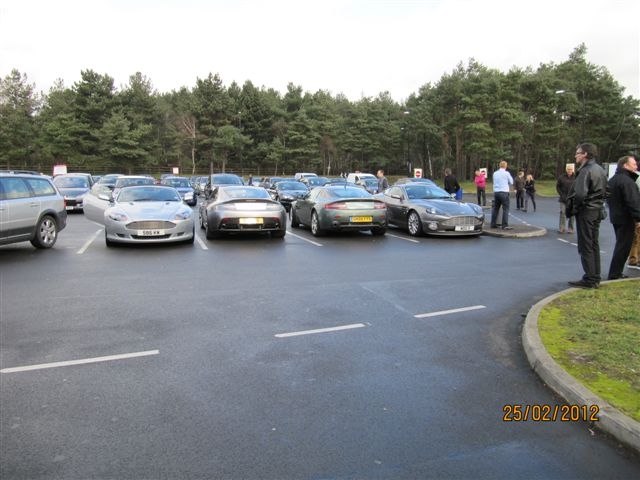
(397, 197)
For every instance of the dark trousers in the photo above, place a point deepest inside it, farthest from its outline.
(532, 196)
(624, 239)
(519, 199)
(588, 230)
(500, 199)
(482, 199)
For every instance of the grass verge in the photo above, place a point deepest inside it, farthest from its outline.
(595, 336)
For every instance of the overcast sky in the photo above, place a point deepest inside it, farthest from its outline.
(358, 48)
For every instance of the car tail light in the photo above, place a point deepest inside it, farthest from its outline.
(336, 206)
(379, 205)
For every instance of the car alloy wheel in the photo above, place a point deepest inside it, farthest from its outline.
(46, 233)
(414, 224)
(316, 231)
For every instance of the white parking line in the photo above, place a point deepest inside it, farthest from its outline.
(402, 238)
(84, 361)
(305, 239)
(201, 243)
(574, 244)
(447, 312)
(89, 242)
(320, 330)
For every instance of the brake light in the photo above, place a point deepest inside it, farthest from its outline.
(379, 205)
(336, 206)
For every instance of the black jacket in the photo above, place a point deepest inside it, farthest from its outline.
(623, 197)
(563, 186)
(451, 184)
(589, 190)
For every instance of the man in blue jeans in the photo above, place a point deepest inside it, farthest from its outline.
(501, 182)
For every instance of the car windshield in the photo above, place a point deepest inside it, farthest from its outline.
(253, 192)
(226, 180)
(108, 179)
(126, 182)
(291, 186)
(370, 182)
(415, 192)
(148, 194)
(71, 182)
(349, 192)
(177, 182)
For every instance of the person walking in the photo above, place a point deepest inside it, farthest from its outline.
(530, 192)
(586, 201)
(519, 184)
(563, 187)
(480, 179)
(502, 179)
(383, 183)
(623, 198)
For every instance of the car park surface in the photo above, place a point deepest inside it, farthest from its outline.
(294, 359)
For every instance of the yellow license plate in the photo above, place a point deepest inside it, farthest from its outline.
(251, 221)
(361, 219)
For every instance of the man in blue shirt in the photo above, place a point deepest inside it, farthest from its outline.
(501, 182)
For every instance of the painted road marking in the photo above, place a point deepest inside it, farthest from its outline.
(402, 238)
(89, 242)
(320, 330)
(305, 239)
(201, 243)
(575, 244)
(448, 312)
(83, 361)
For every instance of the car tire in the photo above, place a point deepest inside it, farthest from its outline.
(378, 231)
(414, 224)
(316, 231)
(193, 237)
(46, 232)
(295, 223)
(210, 234)
(278, 234)
(201, 222)
(107, 242)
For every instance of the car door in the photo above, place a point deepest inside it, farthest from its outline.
(96, 202)
(19, 209)
(304, 205)
(396, 208)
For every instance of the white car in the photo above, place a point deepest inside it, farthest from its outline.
(142, 214)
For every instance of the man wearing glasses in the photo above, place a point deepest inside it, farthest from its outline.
(586, 202)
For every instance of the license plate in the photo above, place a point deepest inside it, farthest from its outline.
(251, 221)
(464, 228)
(150, 233)
(69, 207)
(361, 219)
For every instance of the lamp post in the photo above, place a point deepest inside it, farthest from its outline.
(240, 143)
(406, 138)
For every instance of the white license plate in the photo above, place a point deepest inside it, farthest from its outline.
(464, 228)
(251, 221)
(69, 208)
(150, 233)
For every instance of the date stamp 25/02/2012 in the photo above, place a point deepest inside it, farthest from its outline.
(549, 413)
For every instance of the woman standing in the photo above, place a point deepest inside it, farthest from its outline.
(530, 192)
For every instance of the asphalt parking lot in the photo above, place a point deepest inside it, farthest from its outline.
(345, 356)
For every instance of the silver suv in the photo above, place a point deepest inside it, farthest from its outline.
(31, 208)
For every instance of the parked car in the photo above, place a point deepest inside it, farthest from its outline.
(301, 175)
(347, 207)
(369, 184)
(200, 185)
(143, 214)
(242, 209)
(184, 187)
(311, 182)
(109, 180)
(73, 187)
(287, 192)
(217, 179)
(421, 208)
(356, 177)
(31, 209)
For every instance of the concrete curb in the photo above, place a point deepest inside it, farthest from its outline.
(610, 419)
(517, 232)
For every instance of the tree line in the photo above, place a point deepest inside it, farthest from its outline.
(472, 117)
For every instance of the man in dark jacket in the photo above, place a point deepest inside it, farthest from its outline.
(563, 187)
(451, 184)
(586, 203)
(624, 212)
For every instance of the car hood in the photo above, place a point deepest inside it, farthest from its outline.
(149, 210)
(450, 207)
(73, 192)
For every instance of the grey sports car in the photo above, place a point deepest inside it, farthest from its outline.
(143, 214)
(421, 208)
(242, 209)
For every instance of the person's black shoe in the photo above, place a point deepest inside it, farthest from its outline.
(619, 277)
(583, 284)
